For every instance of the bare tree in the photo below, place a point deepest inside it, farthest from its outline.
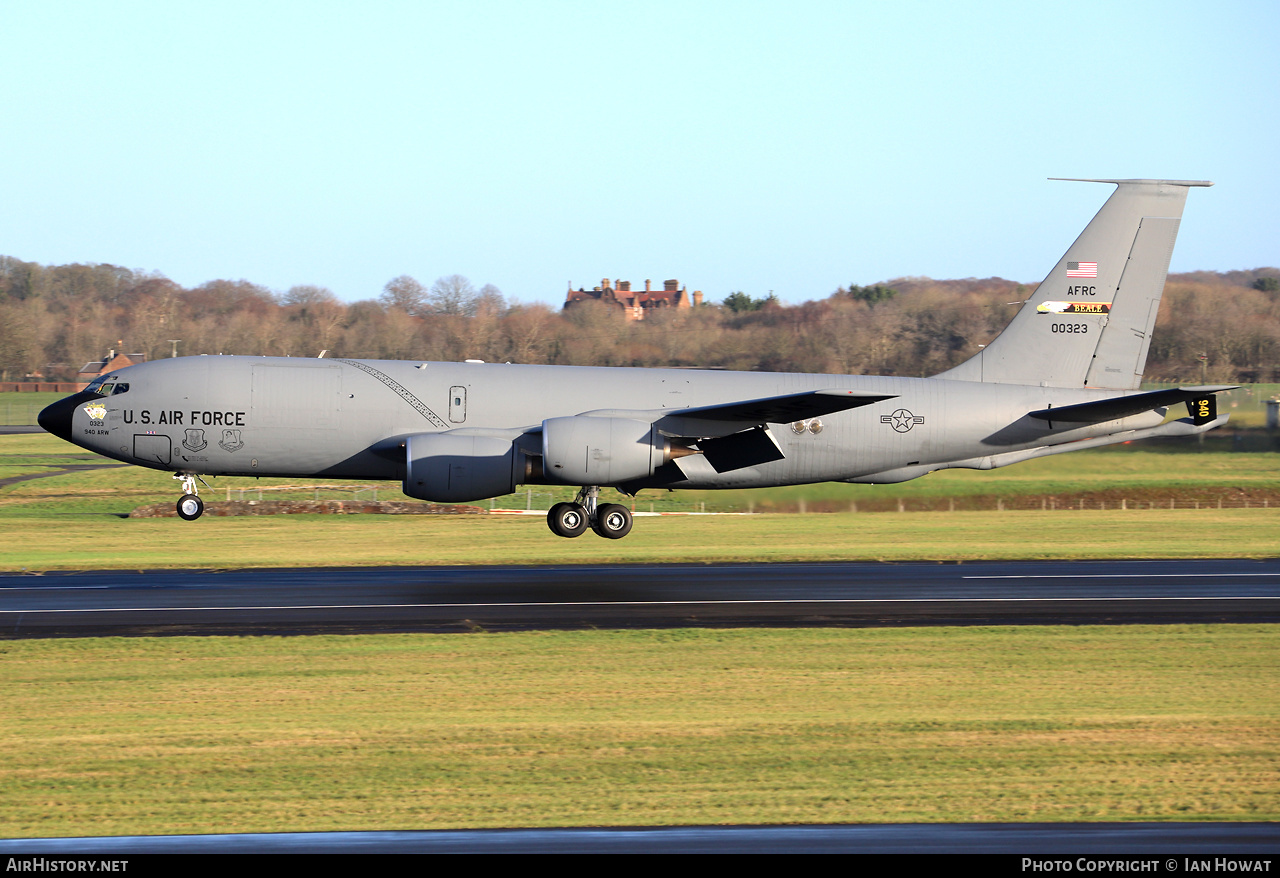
(453, 295)
(404, 293)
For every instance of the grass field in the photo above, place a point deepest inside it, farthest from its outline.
(99, 542)
(639, 728)
(77, 520)
(22, 408)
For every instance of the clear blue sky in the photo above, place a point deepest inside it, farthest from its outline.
(790, 146)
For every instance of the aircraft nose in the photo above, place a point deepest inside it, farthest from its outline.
(56, 418)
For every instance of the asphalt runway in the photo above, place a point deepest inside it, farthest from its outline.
(512, 598)
(1246, 843)
(352, 600)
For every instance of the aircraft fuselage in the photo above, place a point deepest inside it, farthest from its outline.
(347, 418)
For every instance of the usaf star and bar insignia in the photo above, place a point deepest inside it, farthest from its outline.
(902, 420)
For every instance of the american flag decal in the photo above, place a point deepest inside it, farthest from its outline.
(1082, 269)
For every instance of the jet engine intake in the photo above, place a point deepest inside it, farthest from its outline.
(585, 450)
(459, 467)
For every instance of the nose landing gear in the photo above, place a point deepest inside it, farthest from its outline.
(610, 520)
(190, 506)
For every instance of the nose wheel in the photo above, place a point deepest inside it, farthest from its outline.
(610, 520)
(190, 506)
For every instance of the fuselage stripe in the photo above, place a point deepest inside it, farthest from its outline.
(400, 389)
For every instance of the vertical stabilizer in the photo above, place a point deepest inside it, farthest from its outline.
(1089, 323)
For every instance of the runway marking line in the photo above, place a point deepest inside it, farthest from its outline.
(1108, 575)
(641, 603)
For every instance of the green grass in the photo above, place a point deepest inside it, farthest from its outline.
(22, 408)
(76, 521)
(78, 542)
(105, 737)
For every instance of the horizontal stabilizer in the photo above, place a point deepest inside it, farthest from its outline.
(1125, 406)
(784, 409)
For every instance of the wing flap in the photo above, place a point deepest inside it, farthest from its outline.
(748, 448)
(783, 409)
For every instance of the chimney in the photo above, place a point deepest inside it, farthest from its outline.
(697, 297)
(670, 286)
(648, 285)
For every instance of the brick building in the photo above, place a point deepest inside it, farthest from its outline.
(112, 362)
(636, 303)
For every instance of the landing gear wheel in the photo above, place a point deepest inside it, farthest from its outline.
(613, 522)
(567, 520)
(190, 507)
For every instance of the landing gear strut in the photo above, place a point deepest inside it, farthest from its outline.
(610, 520)
(190, 506)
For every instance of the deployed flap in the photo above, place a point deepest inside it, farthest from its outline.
(748, 448)
(1124, 406)
(783, 409)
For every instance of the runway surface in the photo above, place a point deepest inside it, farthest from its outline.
(311, 600)
(1231, 841)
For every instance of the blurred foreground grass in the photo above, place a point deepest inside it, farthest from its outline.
(175, 735)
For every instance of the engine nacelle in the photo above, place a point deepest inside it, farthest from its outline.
(457, 468)
(601, 451)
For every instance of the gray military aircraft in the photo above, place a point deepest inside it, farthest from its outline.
(1063, 376)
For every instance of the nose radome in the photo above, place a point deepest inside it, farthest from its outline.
(56, 417)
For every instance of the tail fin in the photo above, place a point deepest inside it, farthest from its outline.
(1089, 323)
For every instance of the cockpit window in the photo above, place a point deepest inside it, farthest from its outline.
(106, 387)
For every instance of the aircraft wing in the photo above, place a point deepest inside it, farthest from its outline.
(733, 435)
(783, 409)
(1123, 406)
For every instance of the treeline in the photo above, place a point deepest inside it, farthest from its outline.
(54, 319)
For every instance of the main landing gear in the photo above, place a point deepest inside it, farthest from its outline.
(610, 520)
(190, 506)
